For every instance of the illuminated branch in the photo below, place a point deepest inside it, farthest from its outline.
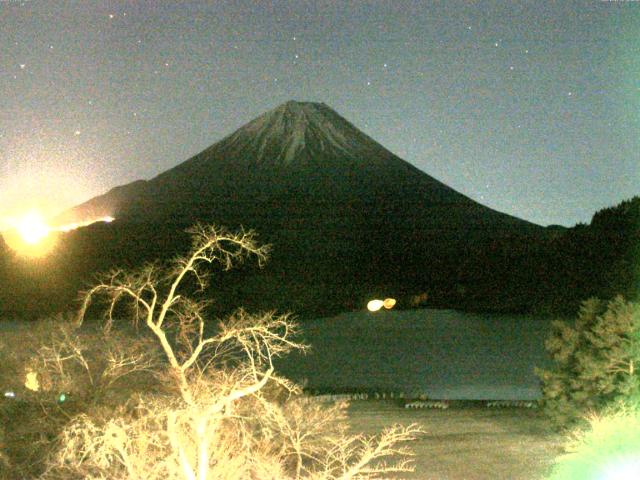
(233, 417)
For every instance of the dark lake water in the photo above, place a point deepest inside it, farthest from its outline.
(444, 354)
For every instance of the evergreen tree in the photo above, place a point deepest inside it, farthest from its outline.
(596, 360)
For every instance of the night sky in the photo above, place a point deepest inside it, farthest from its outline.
(529, 107)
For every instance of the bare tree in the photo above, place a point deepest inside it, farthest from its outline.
(231, 415)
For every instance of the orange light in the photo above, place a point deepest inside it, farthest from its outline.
(32, 228)
(389, 303)
(30, 235)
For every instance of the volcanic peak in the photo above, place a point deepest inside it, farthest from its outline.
(297, 129)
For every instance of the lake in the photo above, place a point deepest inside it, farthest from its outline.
(444, 354)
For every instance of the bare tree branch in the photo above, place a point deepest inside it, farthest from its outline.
(226, 422)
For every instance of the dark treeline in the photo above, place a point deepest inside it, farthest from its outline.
(313, 274)
(555, 274)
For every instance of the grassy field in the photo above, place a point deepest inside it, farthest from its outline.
(472, 443)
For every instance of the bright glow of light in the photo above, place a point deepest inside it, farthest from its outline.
(74, 225)
(628, 469)
(32, 228)
(30, 235)
(375, 305)
(31, 381)
(9, 394)
(389, 303)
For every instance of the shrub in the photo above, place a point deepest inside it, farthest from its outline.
(608, 449)
(596, 360)
(42, 360)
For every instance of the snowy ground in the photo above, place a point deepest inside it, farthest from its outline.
(441, 353)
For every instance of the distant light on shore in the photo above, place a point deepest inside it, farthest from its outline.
(375, 305)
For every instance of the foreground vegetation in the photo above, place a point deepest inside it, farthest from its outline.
(607, 449)
(158, 398)
(593, 392)
(172, 403)
(596, 361)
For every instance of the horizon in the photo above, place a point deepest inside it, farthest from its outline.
(537, 123)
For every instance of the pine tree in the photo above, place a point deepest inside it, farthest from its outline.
(596, 360)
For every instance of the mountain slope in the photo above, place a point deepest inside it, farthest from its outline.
(346, 217)
(299, 151)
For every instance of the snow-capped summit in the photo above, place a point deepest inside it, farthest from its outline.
(296, 129)
(302, 133)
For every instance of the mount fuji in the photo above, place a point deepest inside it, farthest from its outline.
(296, 156)
(347, 219)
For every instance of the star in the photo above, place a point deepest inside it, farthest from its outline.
(77, 132)
(22, 66)
(496, 44)
(511, 67)
(111, 15)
